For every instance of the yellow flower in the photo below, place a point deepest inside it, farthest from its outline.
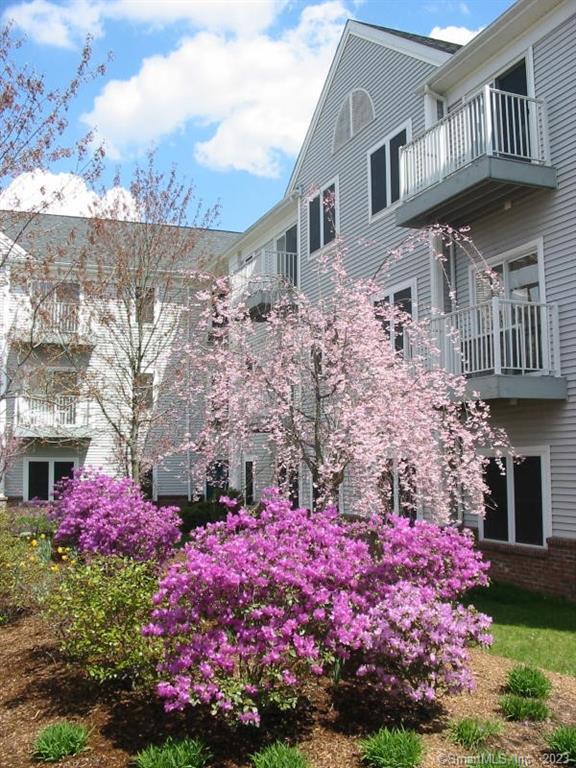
(54, 568)
(60, 550)
(42, 535)
(33, 543)
(64, 557)
(72, 562)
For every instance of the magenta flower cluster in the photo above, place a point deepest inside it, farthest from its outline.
(262, 601)
(105, 515)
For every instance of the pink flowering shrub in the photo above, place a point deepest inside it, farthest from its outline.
(261, 602)
(104, 515)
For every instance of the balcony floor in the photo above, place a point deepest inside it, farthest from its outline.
(474, 190)
(518, 387)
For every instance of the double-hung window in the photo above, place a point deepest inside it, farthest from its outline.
(384, 169)
(517, 509)
(323, 217)
(403, 298)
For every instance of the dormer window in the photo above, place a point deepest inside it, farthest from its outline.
(356, 112)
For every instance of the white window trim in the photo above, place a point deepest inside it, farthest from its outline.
(543, 452)
(51, 460)
(532, 246)
(324, 246)
(407, 126)
(336, 149)
(412, 283)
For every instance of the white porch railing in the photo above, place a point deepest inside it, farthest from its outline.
(499, 336)
(60, 412)
(59, 316)
(267, 270)
(491, 123)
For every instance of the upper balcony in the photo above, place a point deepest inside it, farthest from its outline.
(60, 416)
(53, 321)
(491, 148)
(506, 349)
(264, 279)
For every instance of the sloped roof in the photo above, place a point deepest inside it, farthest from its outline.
(440, 45)
(62, 235)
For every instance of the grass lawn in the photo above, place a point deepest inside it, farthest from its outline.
(530, 628)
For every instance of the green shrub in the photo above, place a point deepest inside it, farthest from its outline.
(472, 732)
(200, 513)
(60, 740)
(99, 610)
(495, 759)
(392, 748)
(522, 708)
(187, 753)
(34, 525)
(27, 573)
(562, 743)
(529, 682)
(280, 755)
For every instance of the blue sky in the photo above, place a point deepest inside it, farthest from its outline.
(223, 88)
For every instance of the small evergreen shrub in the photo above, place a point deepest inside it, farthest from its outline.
(200, 513)
(472, 732)
(562, 744)
(529, 682)
(60, 740)
(522, 708)
(392, 748)
(279, 755)
(186, 753)
(99, 609)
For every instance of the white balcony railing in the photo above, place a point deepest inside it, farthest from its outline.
(59, 316)
(500, 336)
(59, 413)
(266, 271)
(493, 122)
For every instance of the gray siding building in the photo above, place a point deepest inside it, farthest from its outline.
(410, 132)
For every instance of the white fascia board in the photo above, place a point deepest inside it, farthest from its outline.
(266, 226)
(386, 39)
(496, 37)
(10, 248)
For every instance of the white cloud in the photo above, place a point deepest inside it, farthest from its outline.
(461, 35)
(52, 24)
(258, 93)
(64, 24)
(65, 194)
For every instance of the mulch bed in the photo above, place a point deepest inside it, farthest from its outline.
(38, 688)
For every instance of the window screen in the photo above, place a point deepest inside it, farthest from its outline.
(496, 503)
(528, 506)
(378, 179)
(314, 223)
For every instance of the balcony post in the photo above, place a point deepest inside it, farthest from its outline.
(488, 121)
(496, 336)
(555, 351)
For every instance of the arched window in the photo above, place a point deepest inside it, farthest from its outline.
(356, 112)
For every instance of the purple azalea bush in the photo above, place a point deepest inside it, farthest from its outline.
(104, 515)
(262, 601)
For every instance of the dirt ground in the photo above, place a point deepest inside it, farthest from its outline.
(38, 688)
